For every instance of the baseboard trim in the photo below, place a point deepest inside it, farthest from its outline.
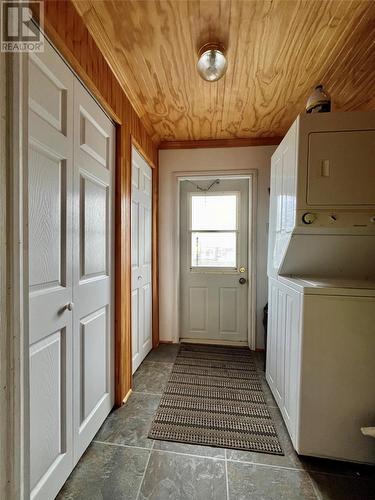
(216, 342)
(127, 396)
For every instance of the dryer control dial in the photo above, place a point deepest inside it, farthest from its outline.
(308, 218)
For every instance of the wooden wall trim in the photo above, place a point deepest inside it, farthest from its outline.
(141, 150)
(222, 143)
(155, 258)
(67, 31)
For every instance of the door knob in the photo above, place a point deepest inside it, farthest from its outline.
(69, 306)
(242, 281)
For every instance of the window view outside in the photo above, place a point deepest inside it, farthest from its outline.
(214, 230)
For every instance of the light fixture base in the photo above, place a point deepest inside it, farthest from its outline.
(212, 62)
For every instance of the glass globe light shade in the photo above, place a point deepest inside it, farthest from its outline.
(212, 63)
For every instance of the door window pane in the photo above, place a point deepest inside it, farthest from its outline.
(213, 212)
(213, 249)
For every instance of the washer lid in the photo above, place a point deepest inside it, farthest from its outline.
(330, 286)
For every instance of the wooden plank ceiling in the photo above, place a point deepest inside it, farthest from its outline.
(277, 51)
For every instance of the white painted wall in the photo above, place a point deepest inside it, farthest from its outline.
(197, 160)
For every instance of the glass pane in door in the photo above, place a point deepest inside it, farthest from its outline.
(213, 249)
(214, 212)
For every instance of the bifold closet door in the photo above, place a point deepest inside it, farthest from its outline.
(50, 272)
(141, 259)
(93, 347)
(70, 172)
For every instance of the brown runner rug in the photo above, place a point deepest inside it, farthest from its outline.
(214, 398)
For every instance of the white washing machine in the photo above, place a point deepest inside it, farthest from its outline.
(321, 364)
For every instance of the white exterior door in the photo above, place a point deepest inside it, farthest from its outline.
(214, 260)
(141, 259)
(93, 342)
(50, 173)
(70, 171)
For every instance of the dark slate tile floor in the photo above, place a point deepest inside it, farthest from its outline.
(123, 464)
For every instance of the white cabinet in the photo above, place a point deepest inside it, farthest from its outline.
(272, 332)
(283, 362)
(283, 199)
(291, 353)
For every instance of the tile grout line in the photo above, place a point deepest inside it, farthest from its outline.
(231, 460)
(148, 393)
(156, 362)
(144, 472)
(157, 450)
(226, 472)
(120, 445)
(187, 454)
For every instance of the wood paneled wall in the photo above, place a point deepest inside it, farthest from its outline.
(221, 143)
(67, 32)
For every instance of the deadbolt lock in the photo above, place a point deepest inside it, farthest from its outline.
(242, 269)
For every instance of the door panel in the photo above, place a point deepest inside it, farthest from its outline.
(271, 334)
(50, 272)
(92, 271)
(47, 184)
(49, 96)
(94, 347)
(93, 139)
(141, 259)
(280, 346)
(47, 404)
(147, 303)
(198, 310)
(213, 248)
(93, 217)
(228, 310)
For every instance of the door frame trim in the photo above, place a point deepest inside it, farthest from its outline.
(250, 174)
(15, 471)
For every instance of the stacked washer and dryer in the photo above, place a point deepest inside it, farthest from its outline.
(321, 270)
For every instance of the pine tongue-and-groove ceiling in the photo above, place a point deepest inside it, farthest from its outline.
(277, 51)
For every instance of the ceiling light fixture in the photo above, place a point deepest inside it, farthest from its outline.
(212, 63)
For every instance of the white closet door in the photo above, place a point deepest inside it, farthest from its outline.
(93, 397)
(50, 271)
(141, 259)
